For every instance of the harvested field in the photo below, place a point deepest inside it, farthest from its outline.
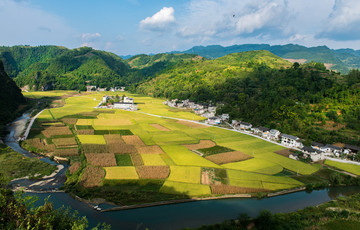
(223, 158)
(92, 139)
(228, 189)
(121, 148)
(133, 140)
(36, 142)
(70, 121)
(136, 159)
(153, 172)
(113, 139)
(56, 131)
(101, 159)
(66, 152)
(85, 132)
(153, 149)
(202, 145)
(59, 142)
(192, 124)
(89, 148)
(74, 167)
(121, 173)
(284, 152)
(92, 177)
(160, 127)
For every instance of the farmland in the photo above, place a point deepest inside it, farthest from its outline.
(159, 155)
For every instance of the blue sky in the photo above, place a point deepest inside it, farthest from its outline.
(154, 26)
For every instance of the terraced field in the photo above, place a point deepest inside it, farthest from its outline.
(134, 146)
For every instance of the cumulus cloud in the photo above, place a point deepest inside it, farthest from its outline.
(28, 24)
(160, 21)
(343, 22)
(90, 37)
(228, 18)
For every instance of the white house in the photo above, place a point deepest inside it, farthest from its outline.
(274, 134)
(212, 109)
(317, 145)
(224, 116)
(315, 155)
(125, 106)
(261, 131)
(105, 98)
(213, 121)
(208, 114)
(291, 141)
(128, 100)
(331, 150)
(245, 125)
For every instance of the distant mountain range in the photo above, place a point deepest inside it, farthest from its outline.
(341, 60)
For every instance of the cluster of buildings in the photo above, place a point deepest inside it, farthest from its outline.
(93, 88)
(315, 152)
(112, 102)
(203, 109)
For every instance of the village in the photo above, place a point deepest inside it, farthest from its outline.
(315, 152)
(117, 102)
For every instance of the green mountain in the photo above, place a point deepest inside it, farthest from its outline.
(51, 67)
(10, 97)
(341, 60)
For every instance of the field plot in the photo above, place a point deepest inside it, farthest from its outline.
(62, 142)
(121, 148)
(113, 139)
(121, 173)
(215, 150)
(185, 174)
(192, 125)
(223, 158)
(123, 160)
(351, 168)
(255, 165)
(92, 177)
(45, 116)
(136, 159)
(293, 165)
(153, 149)
(152, 159)
(255, 180)
(56, 131)
(84, 122)
(174, 138)
(101, 159)
(228, 189)
(66, 152)
(133, 140)
(172, 187)
(93, 148)
(202, 144)
(85, 132)
(180, 155)
(92, 139)
(70, 121)
(153, 172)
(160, 127)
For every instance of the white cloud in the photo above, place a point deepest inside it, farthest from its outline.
(91, 37)
(343, 22)
(23, 23)
(160, 21)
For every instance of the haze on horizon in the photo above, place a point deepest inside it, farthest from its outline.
(154, 26)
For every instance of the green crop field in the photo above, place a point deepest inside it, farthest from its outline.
(187, 174)
(172, 187)
(351, 168)
(158, 141)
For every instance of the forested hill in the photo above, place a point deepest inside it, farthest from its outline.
(10, 97)
(52, 67)
(341, 60)
(258, 87)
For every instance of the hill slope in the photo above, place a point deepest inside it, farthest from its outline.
(341, 60)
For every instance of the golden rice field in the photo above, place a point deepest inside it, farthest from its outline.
(165, 149)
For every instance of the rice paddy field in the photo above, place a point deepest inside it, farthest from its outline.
(136, 146)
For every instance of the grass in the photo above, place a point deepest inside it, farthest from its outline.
(172, 187)
(123, 160)
(351, 168)
(152, 159)
(92, 139)
(121, 173)
(185, 174)
(255, 165)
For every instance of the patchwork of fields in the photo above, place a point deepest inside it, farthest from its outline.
(186, 158)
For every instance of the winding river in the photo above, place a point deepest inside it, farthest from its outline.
(174, 216)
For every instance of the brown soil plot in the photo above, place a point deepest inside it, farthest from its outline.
(153, 172)
(160, 127)
(64, 141)
(284, 152)
(93, 148)
(70, 121)
(101, 159)
(85, 132)
(136, 159)
(66, 152)
(133, 140)
(54, 131)
(92, 177)
(192, 124)
(113, 139)
(228, 157)
(121, 148)
(74, 167)
(153, 149)
(203, 144)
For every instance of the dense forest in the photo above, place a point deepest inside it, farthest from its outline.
(305, 100)
(10, 98)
